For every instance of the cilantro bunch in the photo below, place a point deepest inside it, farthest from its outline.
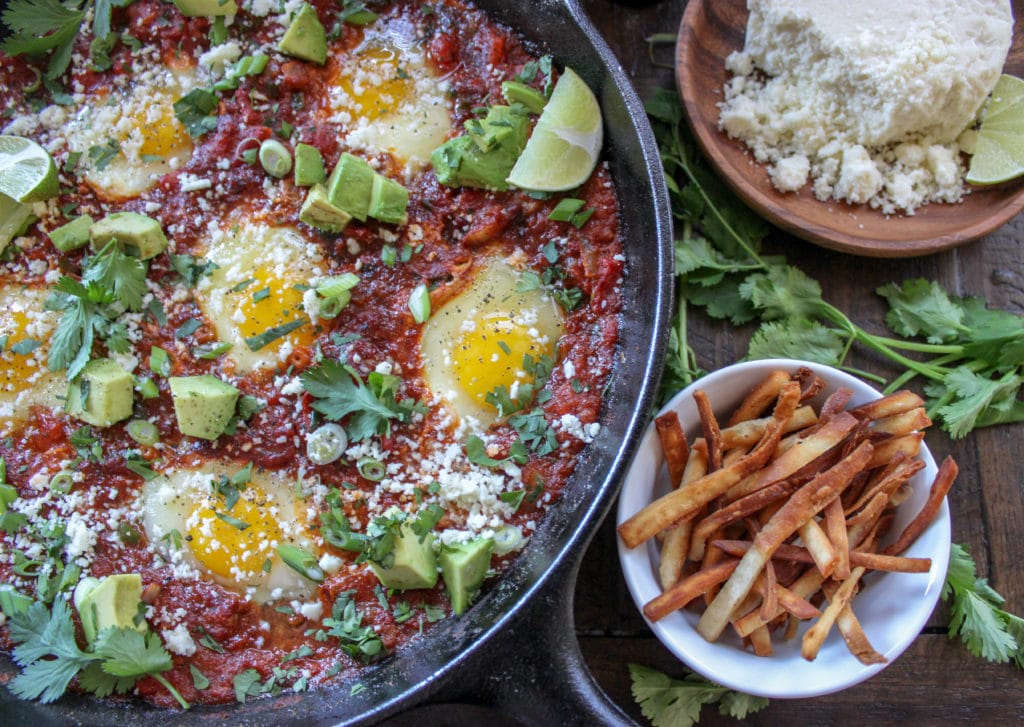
(671, 702)
(971, 358)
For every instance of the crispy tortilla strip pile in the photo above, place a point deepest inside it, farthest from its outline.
(776, 518)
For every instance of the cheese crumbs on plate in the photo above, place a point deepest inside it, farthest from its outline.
(868, 100)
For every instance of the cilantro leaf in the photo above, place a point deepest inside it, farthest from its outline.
(121, 274)
(47, 652)
(372, 406)
(970, 396)
(799, 339)
(38, 26)
(671, 702)
(921, 308)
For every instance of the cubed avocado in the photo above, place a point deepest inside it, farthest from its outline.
(503, 127)
(317, 211)
(206, 8)
(15, 218)
(305, 37)
(518, 92)
(101, 394)
(388, 201)
(350, 186)
(73, 235)
(134, 232)
(414, 564)
(463, 567)
(109, 602)
(309, 166)
(460, 163)
(203, 404)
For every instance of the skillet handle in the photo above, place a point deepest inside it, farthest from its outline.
(533, 672)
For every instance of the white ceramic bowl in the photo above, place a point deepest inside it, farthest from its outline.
(892, 607)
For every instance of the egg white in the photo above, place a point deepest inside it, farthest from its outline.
(135, 125)
(463, 339)
(172, 502)
(278, 260)
(388, 99)
(25, 379)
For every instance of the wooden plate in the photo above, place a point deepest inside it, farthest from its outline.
(710, 31)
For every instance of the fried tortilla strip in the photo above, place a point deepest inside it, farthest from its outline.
(835, 529)
(804, 587)
(887, 480)
(815, 636)
(885, 450)
(821, 549)
(760, 397)
(688, 589)
(804, 504)
(712, 432)
(853, 634)
(871, 561)
(835, 403)
(676, 542)
(687, 500)
(887, 406)
(673, 445)
(800, 455)
(904, 423)
(747, 433)
(943, 481)
(736, 511)
(761, 641)
(811, 384)
(788, 601)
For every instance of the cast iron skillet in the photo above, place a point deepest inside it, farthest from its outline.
(515, 651)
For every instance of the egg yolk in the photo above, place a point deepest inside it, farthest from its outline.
(18, 368)
(268, 302)
(162, 134)
(227, 549)
(375, 93)
(491, 355)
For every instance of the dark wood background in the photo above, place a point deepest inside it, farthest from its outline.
(936, 679)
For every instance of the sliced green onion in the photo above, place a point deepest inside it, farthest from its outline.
(275, 158)
(326, 444)
(507, 538)
(331, 307)
(419, 303)
(336, 285)
(565, 209)
(159, 361)
(371, 469)
(301, 561)
(62, 482)
(209, 351)
(147, 388)
(255, 343)
(143, 432)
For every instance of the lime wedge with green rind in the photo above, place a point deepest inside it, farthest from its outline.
(13, 218)
(566, 142)
(27, 171)
(999, 150)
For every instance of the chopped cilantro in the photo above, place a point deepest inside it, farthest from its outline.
(255, 343)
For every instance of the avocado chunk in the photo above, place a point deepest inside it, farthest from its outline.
(73, 235)
(518, 92)
(101, 394)
(350, 186)
(388, 201)
(309, 165)
(410, 564)
(305, 37)
(317, 211)
(203, 404)
(110, 602)
(15, 218)
(133, 232)
(486, 153)
(206, 8)
(463, 567)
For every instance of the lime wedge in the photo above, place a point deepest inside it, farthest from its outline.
(13, 216)
(27, 171)
(999, 151)
(562, 151)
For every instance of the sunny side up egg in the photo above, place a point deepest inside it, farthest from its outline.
(257, 291)
(187, 521)
(25, 379)
(128, 138)
(388, 99)
(477, 341)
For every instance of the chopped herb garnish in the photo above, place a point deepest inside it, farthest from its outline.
(232, 520)
(187, 328)
(255, 343)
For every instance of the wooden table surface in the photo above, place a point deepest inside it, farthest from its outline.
(936, 679)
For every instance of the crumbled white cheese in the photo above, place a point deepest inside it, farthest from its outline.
(178, 640)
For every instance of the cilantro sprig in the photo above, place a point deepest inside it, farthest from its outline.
(671, 702)
(370, 406)
(970, 358)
